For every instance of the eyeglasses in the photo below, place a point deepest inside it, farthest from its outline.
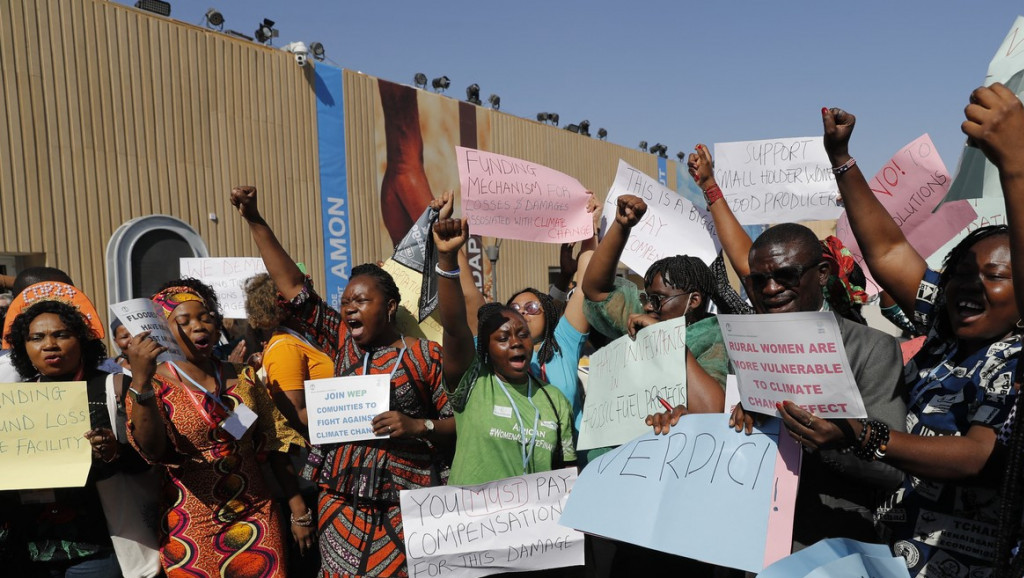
(528, 308)
(658, 301)
(788, 277)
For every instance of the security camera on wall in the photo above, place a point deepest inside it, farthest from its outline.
(299, 50)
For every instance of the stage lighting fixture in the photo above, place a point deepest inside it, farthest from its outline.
(643, 146)
(317, 50)
(214, 19)
(602, 133)
(585, 127)
(495, 101)
(154, 6)
(441, 84)
(420, 79)
(573, 128)
(473, 94)
(265, 32)
(553, 117)
(681, 156)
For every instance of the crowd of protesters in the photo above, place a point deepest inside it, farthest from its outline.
(206, 462)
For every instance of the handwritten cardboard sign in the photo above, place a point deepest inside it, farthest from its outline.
(977, 177)
(796, 357)
(510, 198)
(653, 490)
(227, 276)
(777, 180)
(410, 284)
(503, 526)
(671, 226)
(910, 187)
(626, 378)
(42, 425)
(140, 315)
(340, 409)
(987, 212)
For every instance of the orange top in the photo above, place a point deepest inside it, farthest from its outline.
(290, 360)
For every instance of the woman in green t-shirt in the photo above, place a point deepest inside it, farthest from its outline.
(509, 422)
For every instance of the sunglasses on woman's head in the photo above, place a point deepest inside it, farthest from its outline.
(657, 300)
(788, 277)
(528, 308)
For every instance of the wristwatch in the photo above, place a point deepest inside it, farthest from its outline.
(429, 424)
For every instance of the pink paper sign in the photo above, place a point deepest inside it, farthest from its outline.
(910, 186)
(510, 198)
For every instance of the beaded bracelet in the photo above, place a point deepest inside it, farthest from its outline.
(837, 171)
(304, 520)
(883, 444)
(877, 442)
(453, 274)
(849, 438)
(712, 194)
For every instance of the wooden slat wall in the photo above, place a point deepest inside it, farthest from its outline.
(110, 113)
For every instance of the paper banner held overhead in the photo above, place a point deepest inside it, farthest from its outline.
(777, 180)
(511, 198)
(910, 186)
(671, 226)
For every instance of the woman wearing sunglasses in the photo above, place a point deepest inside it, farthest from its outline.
(960, 385)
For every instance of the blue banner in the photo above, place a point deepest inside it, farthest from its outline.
(663, 170)
(334, 203)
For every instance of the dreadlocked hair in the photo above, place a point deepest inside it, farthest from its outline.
(489, 318)
(384, 280)
(685, 273)
(552, 312)
(952, 261)
(1011, 494)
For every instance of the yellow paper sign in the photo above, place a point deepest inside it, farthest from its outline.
(41, 435)
(409, 283)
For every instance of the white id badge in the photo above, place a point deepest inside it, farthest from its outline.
(239, 421)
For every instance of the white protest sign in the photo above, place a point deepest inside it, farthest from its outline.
(340, 409)
(672, 225)
(511, 198)
(797, 357)
(987, 212)
(976, 177)
(909, 187)
(626, 378)
(506, 525)
(140, 315)
(777, 180)
(227, 276)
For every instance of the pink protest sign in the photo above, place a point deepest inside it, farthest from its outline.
(910, 186)
(510, 198)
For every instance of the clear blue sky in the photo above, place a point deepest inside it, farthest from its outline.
(669, 71)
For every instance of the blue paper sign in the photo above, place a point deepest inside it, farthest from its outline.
(703, 491)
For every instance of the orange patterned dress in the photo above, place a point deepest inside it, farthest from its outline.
(218, 516)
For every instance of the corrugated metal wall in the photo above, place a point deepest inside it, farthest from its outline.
(110, 113)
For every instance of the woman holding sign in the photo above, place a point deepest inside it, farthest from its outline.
(961, 382)
(65, 529)
(360, 521)
(206, 422)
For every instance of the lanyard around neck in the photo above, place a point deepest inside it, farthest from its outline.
(394, 368)
(179, 373)
(526, 450)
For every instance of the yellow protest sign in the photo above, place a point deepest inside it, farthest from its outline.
(409, 283)
(41, 435)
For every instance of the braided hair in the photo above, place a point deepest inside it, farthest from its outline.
(552, 312)
(686, 273)
(384, 280)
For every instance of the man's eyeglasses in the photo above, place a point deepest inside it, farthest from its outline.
(528, 308)
(657, 301)
(788, 277)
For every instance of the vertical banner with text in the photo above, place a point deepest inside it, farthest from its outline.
(334, 202)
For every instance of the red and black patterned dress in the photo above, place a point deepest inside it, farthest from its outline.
(218, 515)
(359, 518)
